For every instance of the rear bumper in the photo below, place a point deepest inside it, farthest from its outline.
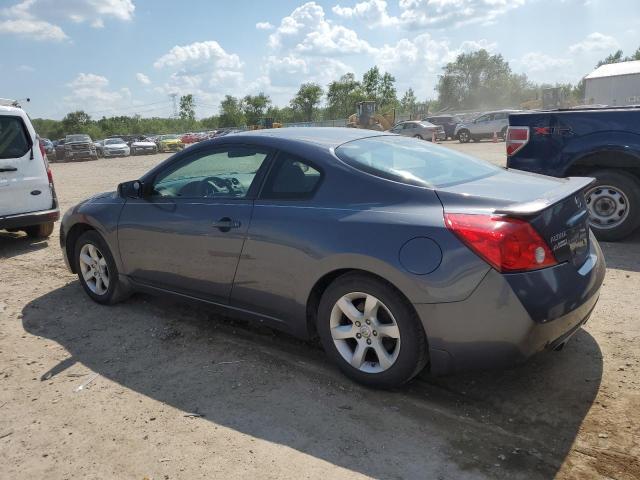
(498, 326)
(29, 219)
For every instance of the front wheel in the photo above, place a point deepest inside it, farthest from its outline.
(370, 331)
(44, 230)
(464, 136)
(614, 204)
(418, 136)
(97, 270)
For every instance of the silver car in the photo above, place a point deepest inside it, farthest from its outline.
(484, 126)
(419, 129)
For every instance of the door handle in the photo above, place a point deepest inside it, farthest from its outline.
(8, 169)
(225, 224)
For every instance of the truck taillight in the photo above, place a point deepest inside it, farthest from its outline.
(517, 137)
(49, 175)
(507, 244)
(42, 150)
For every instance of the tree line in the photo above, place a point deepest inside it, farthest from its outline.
(473, 81)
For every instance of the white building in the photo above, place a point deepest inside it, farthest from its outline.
(614, 84)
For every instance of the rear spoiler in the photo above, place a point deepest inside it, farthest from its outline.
(569, 187)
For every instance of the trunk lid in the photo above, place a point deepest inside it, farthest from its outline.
(555, 207)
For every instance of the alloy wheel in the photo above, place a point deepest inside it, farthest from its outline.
(94, 269)
(365, 332)
(608, 206)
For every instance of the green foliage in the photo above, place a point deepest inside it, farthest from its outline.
(187, 107)
(408, 101)
(254, 107)
(617, 57)
(343, 95)
(307, 100)
(231, 114)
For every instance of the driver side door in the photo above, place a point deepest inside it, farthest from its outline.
(186, 233)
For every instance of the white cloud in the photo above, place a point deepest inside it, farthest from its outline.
(34, 29)
(198, 54)
(539, 62)
(34, 18)
(143, 79)
(306, 30)
(264, 26)
(417, 14)
(90, 92)
(25, 68)
(595, 41)
(373, 12)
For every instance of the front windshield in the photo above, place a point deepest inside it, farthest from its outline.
(77, 138)
(113, 141)
(413, 161)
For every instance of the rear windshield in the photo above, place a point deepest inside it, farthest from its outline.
(413, 161)
(14, 142)
(77, 138)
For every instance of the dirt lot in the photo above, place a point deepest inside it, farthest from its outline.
(97, 392)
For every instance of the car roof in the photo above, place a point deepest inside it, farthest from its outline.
(6, 110)
(323, 136)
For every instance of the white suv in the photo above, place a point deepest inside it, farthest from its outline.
(27, 197)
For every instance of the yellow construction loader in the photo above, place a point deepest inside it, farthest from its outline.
(367, 117)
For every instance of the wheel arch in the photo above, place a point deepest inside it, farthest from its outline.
(70, 241)
(607, 159)
(321, 285)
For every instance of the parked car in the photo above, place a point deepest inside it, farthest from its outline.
(115, 147)
(27, 195)
(76, 147)
(599, 143)
(190, 138)
(398, 253)
(48, 146)
(484, 126)
(143, 146)
(99, 144)
(419, 129)
(58, 146)
(169, 143)
(448, 122)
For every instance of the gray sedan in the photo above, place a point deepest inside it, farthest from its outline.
(419, 129)
(396, 252)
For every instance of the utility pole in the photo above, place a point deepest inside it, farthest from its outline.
(174, 97)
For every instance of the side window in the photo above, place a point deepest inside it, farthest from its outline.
(499, 116)
(408, 126)
(224, 173)
(291, 178)
(484, 118)
(14, 142)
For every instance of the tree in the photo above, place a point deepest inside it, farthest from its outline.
(231, 114)
(408, 101)
(342, 96)
(76, 122)
(617, 57)
(254, 107)
(371, 81)
(307, 99)
(387, 92)
(480, 80)
(187, 107)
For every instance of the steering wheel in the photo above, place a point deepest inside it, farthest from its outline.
(212, 185)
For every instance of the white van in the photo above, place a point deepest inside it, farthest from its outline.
(27, 196)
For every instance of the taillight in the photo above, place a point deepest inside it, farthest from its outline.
(42, 150)
(517, 137)
(507, 244)
(49, 175)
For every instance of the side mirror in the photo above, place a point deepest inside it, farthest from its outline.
(133, 189)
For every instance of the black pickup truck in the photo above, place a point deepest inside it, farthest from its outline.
(602, 143)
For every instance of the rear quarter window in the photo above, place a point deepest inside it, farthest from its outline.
(14, 141)
(412, 161)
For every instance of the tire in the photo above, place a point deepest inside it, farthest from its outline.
(503, 134)
(406, 354)
(418, 136)
(614, 211)
(44, 230)
(464, 136)
(115, 290)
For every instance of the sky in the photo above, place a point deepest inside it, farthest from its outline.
(125, 57)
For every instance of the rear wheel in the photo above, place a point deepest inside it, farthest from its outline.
(97, 270)
(464, 136)
(44, 230)
(614, 204)
(370, 331)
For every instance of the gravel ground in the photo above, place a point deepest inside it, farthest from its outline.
(155, 389)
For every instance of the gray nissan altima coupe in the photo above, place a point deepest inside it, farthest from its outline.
(396, 252)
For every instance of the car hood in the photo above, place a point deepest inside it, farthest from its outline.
(116, 145)
(143, 144)
(171, 140)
